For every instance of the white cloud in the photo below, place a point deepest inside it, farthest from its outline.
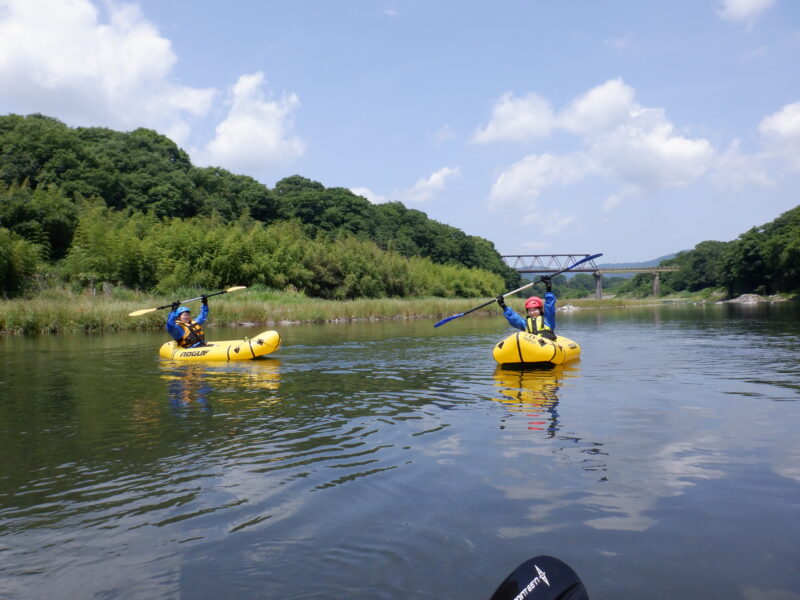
(112, 68)
(255, 138)
(553, 222)
(783, 125)
(517, 120)
(59, 58)
(646, 152)
(619, 43)
(427, 187)
(599, 109)
(369, 195)
(633, 145)
(780, 132)
(537, 246)
(616, 199)
(612, 202)
(519, 186)
(422, 191)
(734, 170)
(743, 10)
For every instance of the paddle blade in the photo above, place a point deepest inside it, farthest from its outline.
(542, 578)
(143, 311)
(448, 319)
(235, 288)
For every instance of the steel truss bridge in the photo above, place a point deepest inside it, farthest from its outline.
(553, 263)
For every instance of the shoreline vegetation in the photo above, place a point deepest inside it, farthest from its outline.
(63, 311)
(88, 215)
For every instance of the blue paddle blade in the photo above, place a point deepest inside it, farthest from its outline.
(448, 319)
(542, 578)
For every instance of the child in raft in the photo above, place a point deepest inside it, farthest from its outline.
(541, 318)
(187, 332)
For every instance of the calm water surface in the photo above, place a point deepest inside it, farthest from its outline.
(395, 460)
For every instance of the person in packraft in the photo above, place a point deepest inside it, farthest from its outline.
(188, 332)
(541, 317)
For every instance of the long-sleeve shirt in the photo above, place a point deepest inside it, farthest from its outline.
(549, 314)
(175, 330)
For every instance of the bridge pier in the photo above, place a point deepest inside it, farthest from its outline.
(656, 285)
(598, 285)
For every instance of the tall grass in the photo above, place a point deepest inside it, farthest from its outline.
(61, 310)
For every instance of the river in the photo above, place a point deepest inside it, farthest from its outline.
(395, 460)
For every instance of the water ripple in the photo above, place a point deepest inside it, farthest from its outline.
(370, 457)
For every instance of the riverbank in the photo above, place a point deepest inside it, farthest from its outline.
(56, 311)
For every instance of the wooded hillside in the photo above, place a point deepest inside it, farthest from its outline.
(763, 260)
(92, 204)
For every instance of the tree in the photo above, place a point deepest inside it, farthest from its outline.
(19, 260)
(743, 267)
(699, 268)
(44, 217)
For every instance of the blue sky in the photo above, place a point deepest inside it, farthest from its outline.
(630, 128)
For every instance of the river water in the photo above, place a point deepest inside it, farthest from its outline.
(395, 460)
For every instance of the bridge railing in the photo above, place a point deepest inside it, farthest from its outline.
(548, 263)
(552, 263)
(610, 270)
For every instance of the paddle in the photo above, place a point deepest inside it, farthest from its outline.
(542, 578)
(144, 311)
(526, 286)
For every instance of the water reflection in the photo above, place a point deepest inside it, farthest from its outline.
(192, 384)
(186, 387)
(369, 450)
(534, 392)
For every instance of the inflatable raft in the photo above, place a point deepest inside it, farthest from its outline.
(264, 343)
(522, 348)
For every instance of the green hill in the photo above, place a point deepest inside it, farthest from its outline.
(50, 173)
(763, 260)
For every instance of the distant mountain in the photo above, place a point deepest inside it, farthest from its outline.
(634, 265)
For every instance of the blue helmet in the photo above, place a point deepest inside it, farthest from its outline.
(182, 309)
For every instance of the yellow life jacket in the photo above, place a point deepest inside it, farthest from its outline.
(192, 333)
(535, 325)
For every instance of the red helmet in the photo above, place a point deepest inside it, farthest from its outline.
(533, 302)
